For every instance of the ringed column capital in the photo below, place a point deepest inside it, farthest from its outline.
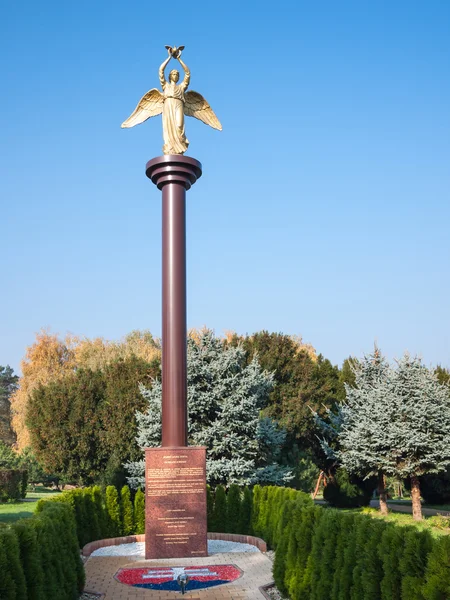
(173, 168)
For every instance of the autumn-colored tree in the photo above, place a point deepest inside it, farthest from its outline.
(97, 353)
(46, 360)
(51, 358)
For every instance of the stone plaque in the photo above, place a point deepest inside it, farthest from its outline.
(175, 502)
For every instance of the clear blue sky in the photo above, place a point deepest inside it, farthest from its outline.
(324, 207)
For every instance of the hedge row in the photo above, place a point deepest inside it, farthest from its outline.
(13, 484)
(229, 512)
(321, 553)
(40, 557)
(103, 514)
(327, 554)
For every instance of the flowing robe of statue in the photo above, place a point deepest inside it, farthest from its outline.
(175, 141)
(174, 103)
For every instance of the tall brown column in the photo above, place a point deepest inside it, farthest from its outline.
(174, 175)
(175, 475)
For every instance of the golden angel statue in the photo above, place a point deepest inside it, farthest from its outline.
(174, 102)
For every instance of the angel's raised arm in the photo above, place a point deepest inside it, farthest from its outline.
(162, 78)
(187, 74)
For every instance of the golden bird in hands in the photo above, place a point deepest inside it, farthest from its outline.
(174, 51)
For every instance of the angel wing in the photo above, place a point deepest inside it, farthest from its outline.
(150, 105)
(196, 106)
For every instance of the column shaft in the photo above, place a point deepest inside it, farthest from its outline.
(174, 353)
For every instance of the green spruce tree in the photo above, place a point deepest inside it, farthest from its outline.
(225, 398)
(396, 421)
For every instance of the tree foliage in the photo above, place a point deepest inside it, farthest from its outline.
(69, 445)
(395, 421)
(95, 428)
(46, 360)
(51, 358)
(225, 397)
(304, 382)
(8, 385)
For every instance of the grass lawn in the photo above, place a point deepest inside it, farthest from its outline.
(13, 511)
(407, 502)
(428, 522)
(438, 506)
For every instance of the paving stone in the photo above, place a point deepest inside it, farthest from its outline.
(256, 568)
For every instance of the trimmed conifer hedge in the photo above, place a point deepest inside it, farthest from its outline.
(328, 554)
(40, 556)
(320, 553)
(102, 514)
(139, 512)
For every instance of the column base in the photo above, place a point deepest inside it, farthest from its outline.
(175, 502)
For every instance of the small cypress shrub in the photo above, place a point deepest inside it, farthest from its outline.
(127, 516)
(139, 512)
(48, 547)
(14, 585)
(299, 584)
(346, 522)
(284, 556)
(363, 531)
(209, 506)
(390, 552)
(417, 545)
(233, 508)
(324, 555)
(220, 511)
(286, 541)
(279, 564)
(113, 510)
(271, 515)
(245, 515)
(372, 563)
(262, 514)
(99, 507)
(255, 509)
(72, 548)
(70, 571)
(350, 554)
(437, 573)
(312, 536)
(82, 515)
(46, 539)
(91, 526)
(7, 583)
(313, 570)
(289, 522)
(30, 558)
